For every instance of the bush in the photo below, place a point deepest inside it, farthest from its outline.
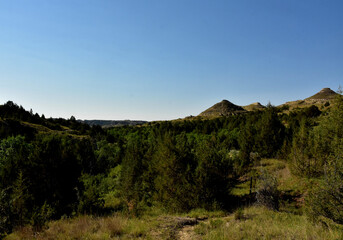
(41, 216)
(239, 214)
(267, 193)
(326, 199)
(5, 213)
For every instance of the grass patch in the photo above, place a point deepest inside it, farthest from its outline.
(88, 227)
(241, 189)
(239, 214)
(138, 227)
(293, 189)
(271, 165)
(260, 223)
(201, 213)
(205, 228)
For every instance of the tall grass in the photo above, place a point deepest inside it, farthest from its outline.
(261, 223)
(86, 227)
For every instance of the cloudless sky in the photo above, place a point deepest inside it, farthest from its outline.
(165, 59)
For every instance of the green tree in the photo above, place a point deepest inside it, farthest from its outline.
(270, 133)
(327, 198)
(174, 166)
(14, 158)
(6, 216)
(20, 197)
(213, 182)
(132, 170)
(247, 141)
(303, 162)
(15, 167)
(267, 193)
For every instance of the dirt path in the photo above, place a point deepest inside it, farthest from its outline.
(171, 227)
(187, 233)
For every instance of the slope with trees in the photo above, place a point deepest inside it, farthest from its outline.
(51, 168)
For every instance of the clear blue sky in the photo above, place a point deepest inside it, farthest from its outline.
(165, 59)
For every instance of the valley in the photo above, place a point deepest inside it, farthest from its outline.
(253, 172)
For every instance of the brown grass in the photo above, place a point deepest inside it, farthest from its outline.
(261, 223)
(83, 227)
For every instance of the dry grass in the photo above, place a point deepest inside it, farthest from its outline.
(83, 227)
(200, 213)
(88, 227)
(260, 223)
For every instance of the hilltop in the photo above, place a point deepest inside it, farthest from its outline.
(223, 108)
(322, 99)
(254, 106)
(324, 94)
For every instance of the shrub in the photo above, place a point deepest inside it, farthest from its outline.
(41, 216)
(326, 199)
(267, 193)
(239, 215)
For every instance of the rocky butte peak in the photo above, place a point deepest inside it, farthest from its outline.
(223, 108)
(324, 94)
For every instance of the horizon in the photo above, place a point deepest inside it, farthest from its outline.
(154, 60)
(78, 119)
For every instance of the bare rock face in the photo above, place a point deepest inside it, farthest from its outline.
(223, 108)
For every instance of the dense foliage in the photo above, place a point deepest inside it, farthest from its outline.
(55, 167)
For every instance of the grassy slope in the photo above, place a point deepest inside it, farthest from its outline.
(45, 130)
(260, 223)
(256, 222)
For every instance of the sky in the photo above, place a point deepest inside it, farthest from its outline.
(165, 59)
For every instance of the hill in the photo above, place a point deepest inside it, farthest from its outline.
(324, 94)
(223, 108)
(254, 107)
(227, 108)
(322, 99)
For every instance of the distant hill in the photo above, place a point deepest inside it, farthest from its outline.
(226, 108)
(324, 94)
(223, 108)
(254, 107)
(15, 120)
(113, 123)
(321, 99)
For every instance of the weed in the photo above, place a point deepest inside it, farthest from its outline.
(239, 214)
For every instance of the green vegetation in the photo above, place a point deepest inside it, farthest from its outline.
(88, 227)
(64, 178)
(260, 223)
